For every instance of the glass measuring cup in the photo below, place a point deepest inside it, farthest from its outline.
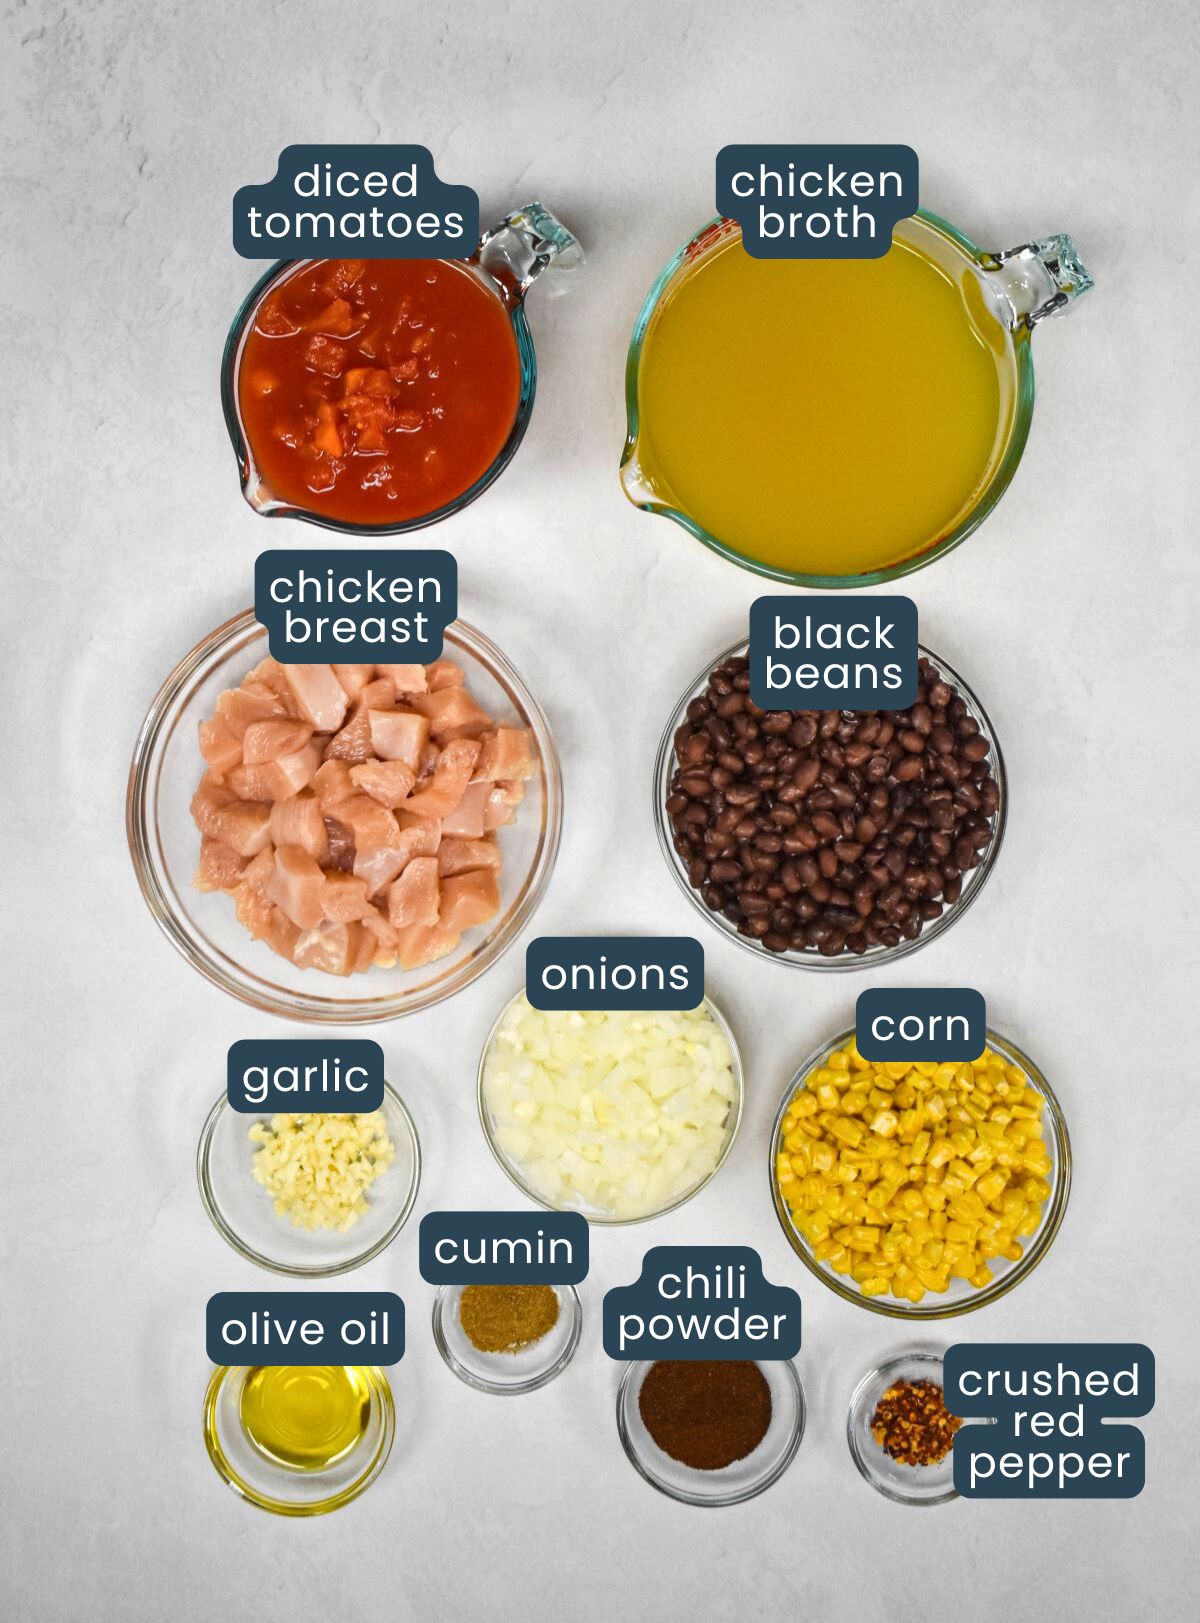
(1003, 297)
(510, 258)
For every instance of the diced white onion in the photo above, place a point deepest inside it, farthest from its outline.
(611, 1113)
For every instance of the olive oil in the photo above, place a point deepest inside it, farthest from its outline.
(826, 418)
(305, 1417)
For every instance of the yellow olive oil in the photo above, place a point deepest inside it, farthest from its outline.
(826, 417)
(305, 1417)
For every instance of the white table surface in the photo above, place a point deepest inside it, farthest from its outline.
(127, 128)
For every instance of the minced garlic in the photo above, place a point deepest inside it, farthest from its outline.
(318, 1168)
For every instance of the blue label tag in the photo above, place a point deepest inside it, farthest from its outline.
(818, 201)
(341, 1075)
(381, 607)
(833, 653)
(1050, 1406)
(702, 1301)
(614, 972)
(503, 1248)
(920, 1024)
(355, 201)
(304, 1327)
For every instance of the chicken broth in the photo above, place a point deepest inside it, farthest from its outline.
(825, 417)
(377, 391)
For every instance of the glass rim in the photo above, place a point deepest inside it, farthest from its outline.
(226, 972)
(885, 1372)
(247, 468)
(542, 1377)
(1032, 1252)
(997, 484)
(600, 1221)
(739, 1496)
(380, 1389)
(811, 959)
(298, 1270)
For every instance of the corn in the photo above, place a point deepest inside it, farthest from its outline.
(906, 1177)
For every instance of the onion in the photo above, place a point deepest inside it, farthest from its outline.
(611, 1113)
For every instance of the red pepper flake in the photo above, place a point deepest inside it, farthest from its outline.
(912, 1423)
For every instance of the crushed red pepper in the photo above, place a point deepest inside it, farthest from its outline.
(912, 1423)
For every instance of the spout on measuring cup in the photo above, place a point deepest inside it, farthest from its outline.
(1039, 278)
(522, 245)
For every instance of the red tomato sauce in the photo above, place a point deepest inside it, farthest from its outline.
(375, 391)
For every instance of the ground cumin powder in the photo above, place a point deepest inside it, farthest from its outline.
(505, 1318)
(706, 1413)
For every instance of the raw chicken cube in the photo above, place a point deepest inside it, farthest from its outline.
(507, 753)
(406, 678)
(413, 897)
(268, 740)
(245, 827)
(468, 899)
(423, 943)
(468, 820)
(319, 696)
(388, 782)
(502, 803)
(220, 746)
(354, 677)
(450, 778)
(345, 898)
(332, 783)
(329, 947)
(460, 856)
(220, 866)
(297, 887)
(278, 779)
(253, 701)
(398, 735)
(300, 821)
(444, 673)
(452, 713)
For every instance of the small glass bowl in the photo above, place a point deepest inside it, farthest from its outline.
(973, 880)
(513, 1169)
(507, 1374)
(271, 1486)
(243, 1213)
(744, 1478)
(165, 843)
(961, 1297)
(907, 1484)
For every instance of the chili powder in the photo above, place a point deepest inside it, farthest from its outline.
(706, 1413)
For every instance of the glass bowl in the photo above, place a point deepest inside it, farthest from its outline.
(962, 1296)
(973, 880)
(289, 1492)
(744, 1478)
(243, 1213)
(907, 1484)
(165, 843)
(513, 1169)
(507, 1374)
